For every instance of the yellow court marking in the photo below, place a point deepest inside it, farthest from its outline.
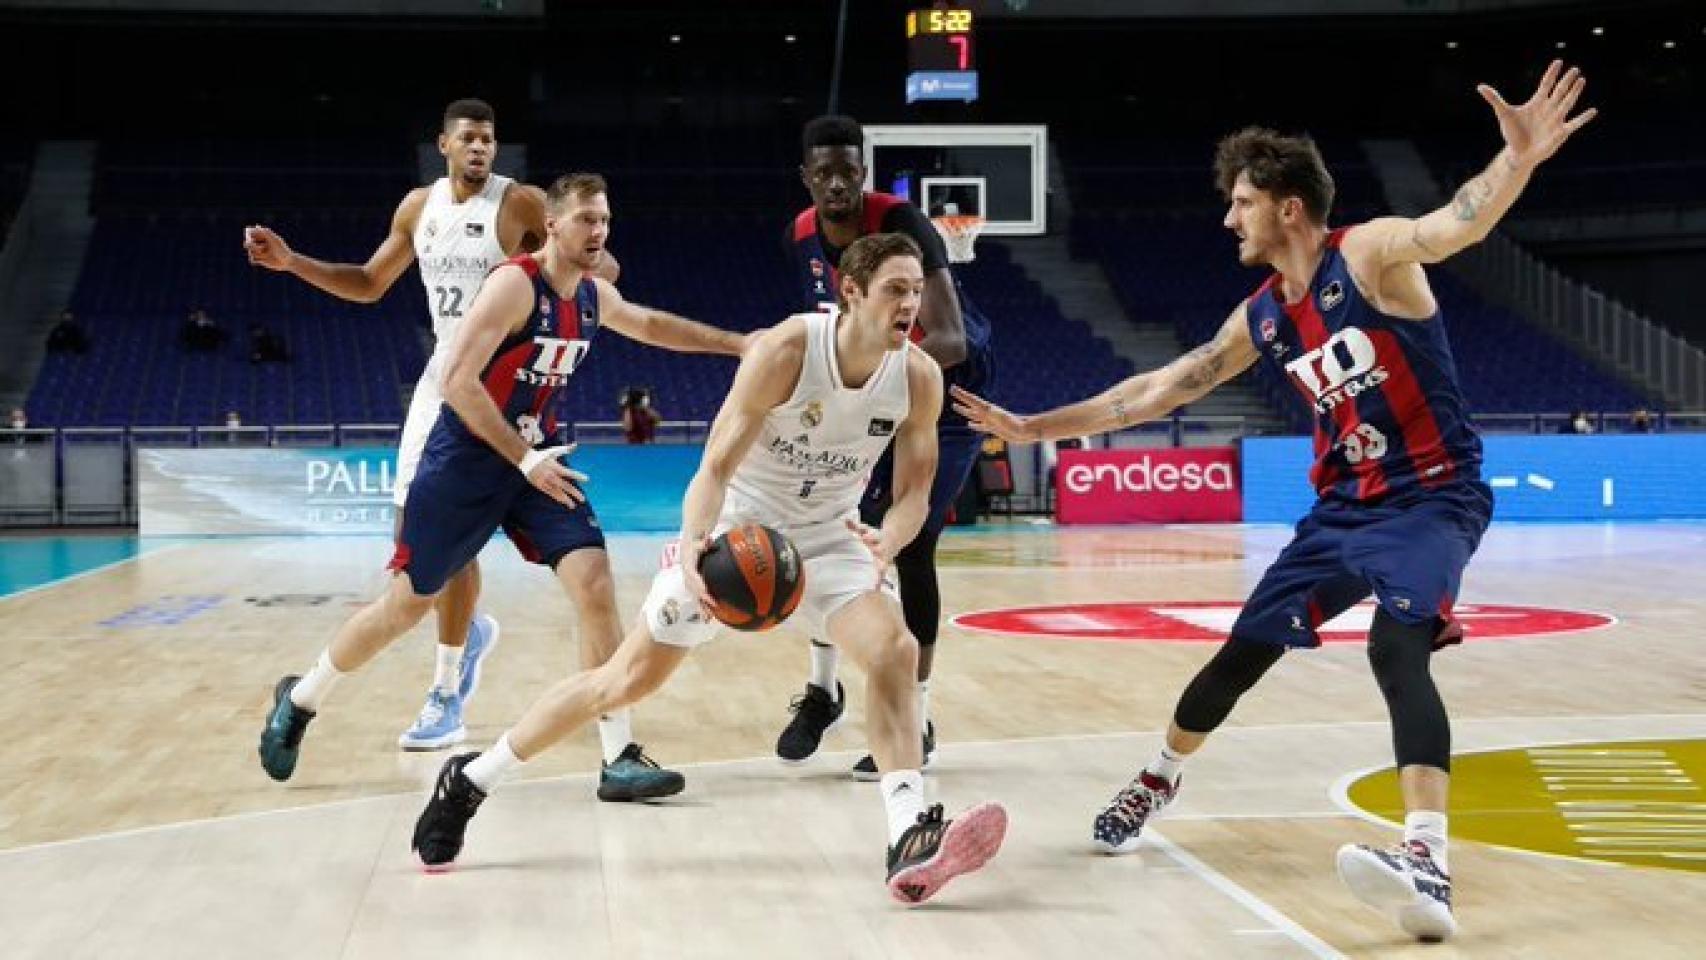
(1641, 803)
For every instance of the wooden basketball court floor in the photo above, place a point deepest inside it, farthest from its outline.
(135, 820)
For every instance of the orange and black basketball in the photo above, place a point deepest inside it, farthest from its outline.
(755, 576)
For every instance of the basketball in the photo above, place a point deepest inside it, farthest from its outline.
(755, 576)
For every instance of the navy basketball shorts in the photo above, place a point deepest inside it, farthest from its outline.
(450, 516)
(1410, 556)
(957, 449)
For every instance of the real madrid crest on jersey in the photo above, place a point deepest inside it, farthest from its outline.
(432, 228)
(812, 415)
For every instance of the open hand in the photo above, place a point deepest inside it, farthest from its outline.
(988, 418)
(555, 479)
(1535, 130)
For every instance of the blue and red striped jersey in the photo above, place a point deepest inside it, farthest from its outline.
(1390, 417)
(530, 366)
(818, 261)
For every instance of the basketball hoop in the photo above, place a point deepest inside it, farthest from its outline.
(960, 234)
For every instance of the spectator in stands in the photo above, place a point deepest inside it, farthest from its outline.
(1641, 421)
(232, 420)
(639, 420)
(19, 420)
(1578, 423)
(68, 336)
(266, 346)
(201, 334)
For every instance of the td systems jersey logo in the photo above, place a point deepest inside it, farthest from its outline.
(1199, 621)
(1344, 366)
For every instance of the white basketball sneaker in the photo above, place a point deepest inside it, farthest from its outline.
(1403, 882)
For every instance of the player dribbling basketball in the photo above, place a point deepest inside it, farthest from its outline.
(814, 404)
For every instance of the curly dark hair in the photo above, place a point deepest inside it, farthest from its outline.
(1283, 166)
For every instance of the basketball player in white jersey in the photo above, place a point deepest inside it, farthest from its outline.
(814, 404)
(459, 228)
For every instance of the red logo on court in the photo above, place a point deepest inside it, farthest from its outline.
(1209, 621)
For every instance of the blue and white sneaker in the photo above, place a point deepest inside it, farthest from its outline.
(1405, 883)
(482, 640)
(439, 724)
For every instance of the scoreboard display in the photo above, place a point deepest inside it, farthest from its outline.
(941, 55)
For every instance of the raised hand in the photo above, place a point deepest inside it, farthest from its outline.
(1535, 130)
(266, 248)
(986, 417)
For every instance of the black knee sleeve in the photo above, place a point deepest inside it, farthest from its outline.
(920, 594)
(1399, 653)
(1211, 695)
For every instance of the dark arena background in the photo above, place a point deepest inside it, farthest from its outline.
(199, 476)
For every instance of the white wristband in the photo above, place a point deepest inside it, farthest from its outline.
(533, 458)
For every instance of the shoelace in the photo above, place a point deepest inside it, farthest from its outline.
(1135, 803)
(637, 754)
(926, 833)
(432, 712)
(819, 703)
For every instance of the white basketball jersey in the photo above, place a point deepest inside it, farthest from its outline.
(814, 455)
(457, 245)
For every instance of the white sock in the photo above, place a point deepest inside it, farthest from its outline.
(923, 704)
(447, 676)
(903, 798)
(615, 732)
(1167, 764)
(1428, 826)
(494, 766)
(312, 689)
(825, 658)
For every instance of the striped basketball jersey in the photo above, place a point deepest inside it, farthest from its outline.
(530, 366)
(814, 453)
(1390, 418)
(457, 245)
(818, 261)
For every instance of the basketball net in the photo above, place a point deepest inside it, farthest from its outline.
(959, 232)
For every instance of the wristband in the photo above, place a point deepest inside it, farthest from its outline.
(531, 459)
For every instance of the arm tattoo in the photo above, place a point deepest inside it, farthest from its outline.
(1467, 204)
(1122, 416)
(1416, 240)
(1201, 367)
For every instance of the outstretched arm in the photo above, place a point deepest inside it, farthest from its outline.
(358, 282)
(1533, 132)
(661, 328)
(1130, 402)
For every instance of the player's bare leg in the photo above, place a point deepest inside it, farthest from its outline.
(297, 699)
(639, 667)
(925, 849)
(627, 773)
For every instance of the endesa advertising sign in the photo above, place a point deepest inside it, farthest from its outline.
(1171, 485)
